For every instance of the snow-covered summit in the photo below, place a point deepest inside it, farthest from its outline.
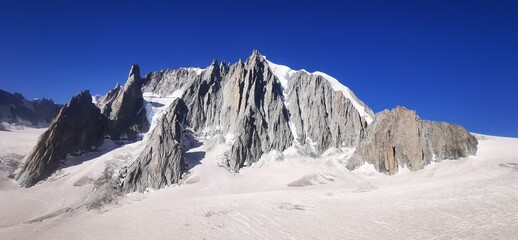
(285, 73)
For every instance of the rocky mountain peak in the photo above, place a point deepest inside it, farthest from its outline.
(80, 98)
(134, 71)
(161, 163)
(79, 127)
(125, 108)
(256, 57)
(256, 53)
(223, 66)
(214, 67)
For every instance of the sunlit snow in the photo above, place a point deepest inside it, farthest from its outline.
(284, 73)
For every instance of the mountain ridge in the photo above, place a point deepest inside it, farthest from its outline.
(16, 109)
(256, 105)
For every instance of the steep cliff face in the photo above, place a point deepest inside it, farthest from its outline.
(124, 106)
(261, 119)
(260, 106)
(323, 116)
(398, 138)
(161, 162)
(79, 127)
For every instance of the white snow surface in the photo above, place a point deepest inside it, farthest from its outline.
(156, 105)
(95, 99)
(284, 73)
(197, 70)
(283, 196)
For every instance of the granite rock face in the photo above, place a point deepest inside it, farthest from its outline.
(161, 162)
(323, 117)
(258, 108)
(124, 106)
(261, 118)
(398, 138)
(15, 109)
(79, 127)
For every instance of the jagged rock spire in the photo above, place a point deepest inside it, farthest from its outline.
(134, 71)
(161, 162)
(223, 66)
(79, 127)
(125, 108)
(255, 52)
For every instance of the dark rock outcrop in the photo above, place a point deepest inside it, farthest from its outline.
(161, 162)
(79, 127)
(15, 109)
(398, 138)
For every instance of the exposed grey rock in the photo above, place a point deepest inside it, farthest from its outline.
(9, 163)
(399, 138)
(82, 126)
(79, 127)
(257, 106)
(322, 117)
(124, 106)
(105, 189)
(204, 98)
(262, 118)
(247, 100)
(166, 82)
(160, 163)
(106, 101)
(15, 109)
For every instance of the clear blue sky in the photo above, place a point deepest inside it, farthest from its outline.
(454, 61)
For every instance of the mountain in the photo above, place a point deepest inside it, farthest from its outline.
(260, 106)
(124, 106)
(78, 128)
(81, 126)
(15, 109)
(398, 138)
(161, 162)
(255, 107)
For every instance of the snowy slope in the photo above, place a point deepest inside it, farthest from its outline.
(298, 198)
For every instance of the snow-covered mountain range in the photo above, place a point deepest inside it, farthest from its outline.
(16, 109)
(250, 150)
(255, 107)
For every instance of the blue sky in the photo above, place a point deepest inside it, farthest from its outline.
(454, 61)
